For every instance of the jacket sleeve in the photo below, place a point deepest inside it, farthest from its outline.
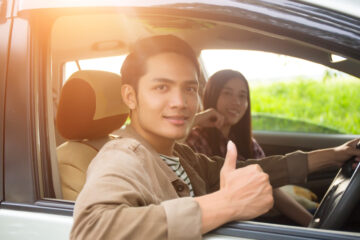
(291, 168)
(117, 202)
(286, 169)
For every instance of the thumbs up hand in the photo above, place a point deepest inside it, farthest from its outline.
(247, 190)
(245, 193)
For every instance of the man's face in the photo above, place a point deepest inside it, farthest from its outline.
(167, 98)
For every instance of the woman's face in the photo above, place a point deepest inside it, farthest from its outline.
(232, 102)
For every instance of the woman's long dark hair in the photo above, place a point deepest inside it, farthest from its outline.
(240, 133)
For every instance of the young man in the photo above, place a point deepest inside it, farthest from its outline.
(144, 185)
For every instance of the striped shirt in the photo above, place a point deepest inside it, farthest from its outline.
(174, 164)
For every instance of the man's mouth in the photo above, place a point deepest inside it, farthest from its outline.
(177, 120)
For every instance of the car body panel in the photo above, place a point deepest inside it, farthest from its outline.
(29, 225)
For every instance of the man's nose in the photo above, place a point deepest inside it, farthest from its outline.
(178, 99)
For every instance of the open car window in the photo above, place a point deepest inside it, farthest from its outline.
(289, 94)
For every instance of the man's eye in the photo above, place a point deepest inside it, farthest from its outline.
(191, 89)
(161, 87)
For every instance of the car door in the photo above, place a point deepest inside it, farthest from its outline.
(22, 213)
(29, 151)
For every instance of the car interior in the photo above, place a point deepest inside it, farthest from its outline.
(90, 108)
(84, 109)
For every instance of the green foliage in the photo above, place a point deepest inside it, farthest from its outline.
(282, 124)
(304, 105)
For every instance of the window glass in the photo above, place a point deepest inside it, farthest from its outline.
(110, 64)
(290, 94)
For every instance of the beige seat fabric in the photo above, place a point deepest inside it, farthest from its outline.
(90, 108)
(73, 172)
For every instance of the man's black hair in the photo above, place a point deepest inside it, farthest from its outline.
(134, 66)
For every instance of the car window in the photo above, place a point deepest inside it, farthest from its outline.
(293, 95)
(111, 64)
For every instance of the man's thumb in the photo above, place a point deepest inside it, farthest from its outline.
(231, 155)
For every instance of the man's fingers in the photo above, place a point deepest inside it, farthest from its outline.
(229, 163)
(230, 159)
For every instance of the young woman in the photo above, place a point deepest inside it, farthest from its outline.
(226, 98)
(227, 117)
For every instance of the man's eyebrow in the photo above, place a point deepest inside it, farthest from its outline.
(195, 82)
(166, 80)
(163, 80)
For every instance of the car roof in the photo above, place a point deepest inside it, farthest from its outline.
(350, 7)
(275, 26)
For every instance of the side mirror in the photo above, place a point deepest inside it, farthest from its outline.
(3, 4)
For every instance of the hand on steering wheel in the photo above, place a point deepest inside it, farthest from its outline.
(341, 197)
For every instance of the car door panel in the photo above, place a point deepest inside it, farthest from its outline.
(16, 224)
(258, 230)
(285, 142)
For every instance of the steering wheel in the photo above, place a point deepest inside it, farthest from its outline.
(340, 199)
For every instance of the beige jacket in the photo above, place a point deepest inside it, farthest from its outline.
(130, 193)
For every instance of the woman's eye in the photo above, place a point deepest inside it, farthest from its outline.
(242, 96)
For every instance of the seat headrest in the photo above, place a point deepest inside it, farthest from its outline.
(90, 105)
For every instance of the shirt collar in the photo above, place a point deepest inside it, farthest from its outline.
(129, 132)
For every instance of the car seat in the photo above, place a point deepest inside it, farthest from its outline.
(90, 108)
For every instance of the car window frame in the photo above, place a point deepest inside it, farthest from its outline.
(6, 8)
(24, 180)
(260, 230)
(4, 33)
(45, 201)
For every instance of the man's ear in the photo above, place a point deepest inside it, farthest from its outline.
(129, 96)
